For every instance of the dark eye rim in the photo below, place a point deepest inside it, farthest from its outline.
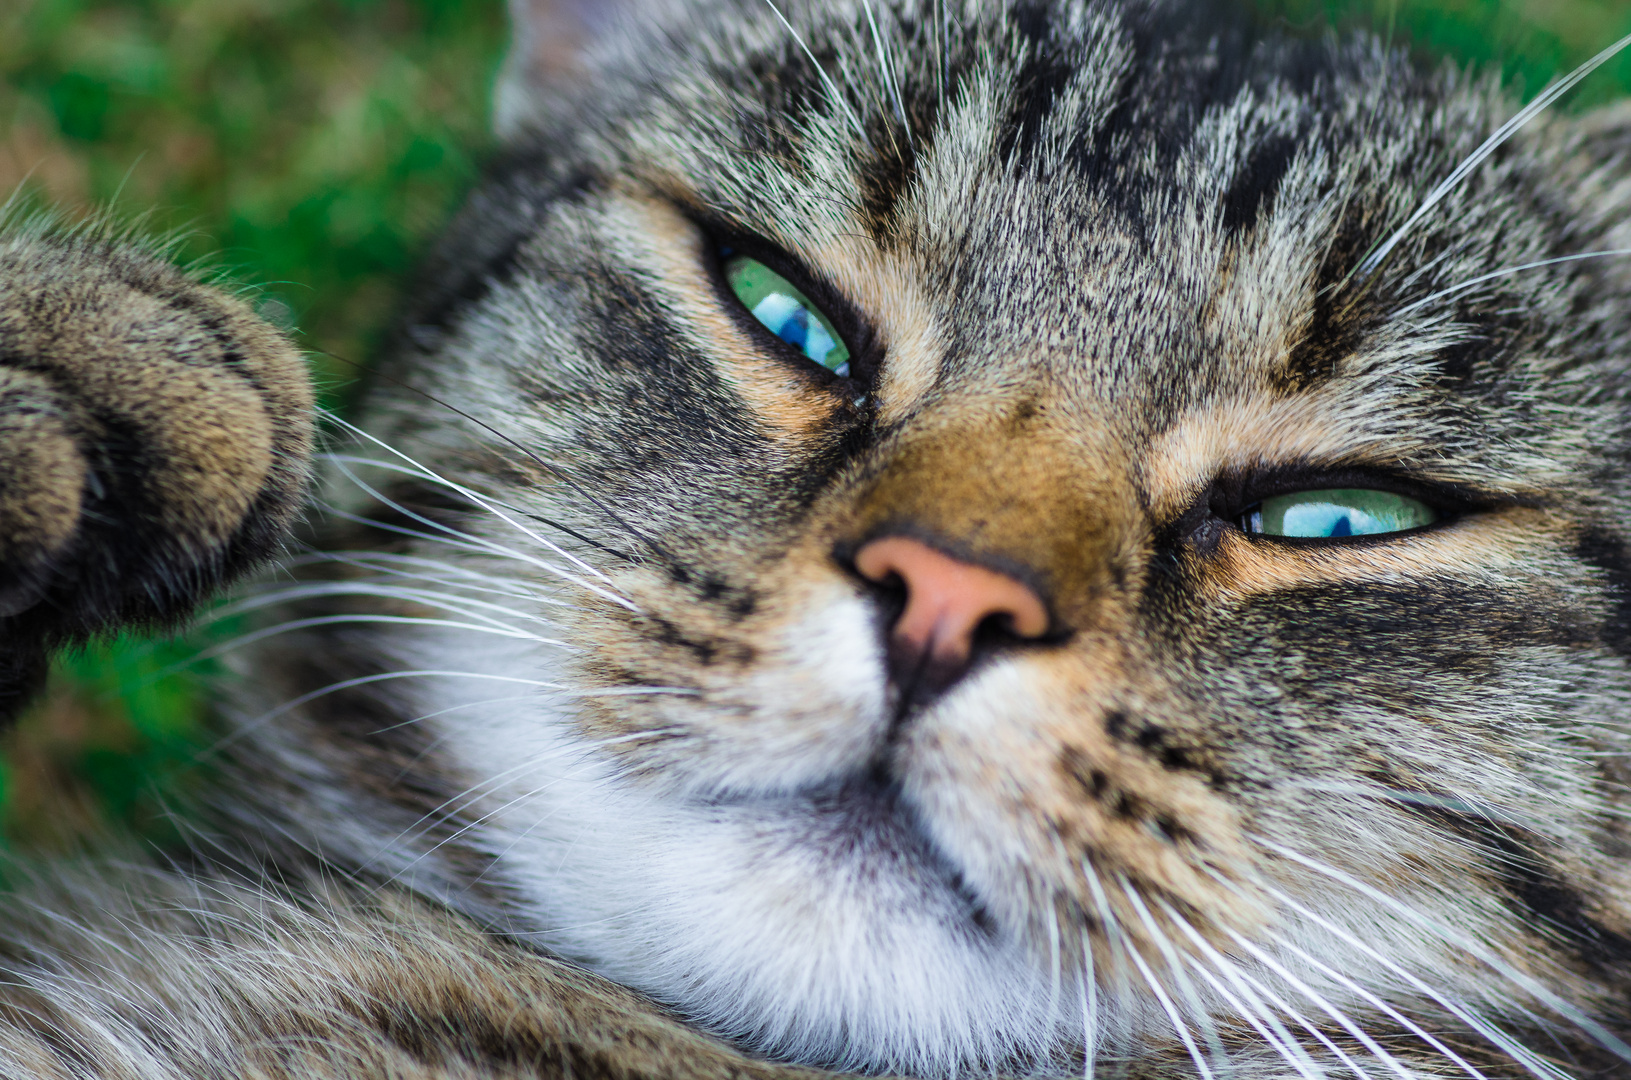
(1233, 496)
(865, 353)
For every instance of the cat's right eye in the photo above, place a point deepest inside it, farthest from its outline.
(786, 312)
(1337, 513)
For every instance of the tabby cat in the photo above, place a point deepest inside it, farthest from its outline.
(1015, 536)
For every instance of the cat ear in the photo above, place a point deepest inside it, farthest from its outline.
(555, 46)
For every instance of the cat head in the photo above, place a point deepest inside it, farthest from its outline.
(969, 535)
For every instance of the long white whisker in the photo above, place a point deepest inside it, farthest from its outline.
(474, 496)
(1171, 1010)
(1089, 992)
(1464, 942)
(364, 680)
(1405, 1022)
(471, 794)
(1489, 146)
(1176, 967)
(245, 640)
(497, 509)
(380, 561)
(1256, 1014)
(471, 608)
(886, 67)
(1302, 1021)
(489, 545)
(450, 709)
(1289, 1050)
(1321, 1003)
(1461, 804)
(1056, 967)
(1500, 1038)
(838, 99)
(1508, 272)
(456, 803)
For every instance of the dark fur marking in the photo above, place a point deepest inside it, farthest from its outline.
(1340, 317)
(1154, 740)
(1257, 183)
(483, 249)
(1040, 80)
(884, 177)
(1083, 774)
(1096, 784)
(1535, 890)
(1608, 552)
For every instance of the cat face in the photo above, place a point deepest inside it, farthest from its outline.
(960, 558)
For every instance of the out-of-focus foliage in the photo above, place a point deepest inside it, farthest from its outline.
(311, 147)
(1532, 40)
(308, 147)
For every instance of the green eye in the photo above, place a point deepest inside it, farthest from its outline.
(786, 312)
(1339, 512)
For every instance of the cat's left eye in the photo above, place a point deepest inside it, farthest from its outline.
(786, 312)
(1337, 513)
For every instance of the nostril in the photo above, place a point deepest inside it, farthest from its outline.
(948, 602)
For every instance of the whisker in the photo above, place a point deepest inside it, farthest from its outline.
(839, 100)
(1605, 1038)
(414, 469)
(650, 544)
(1321, 1003)
(1303, 1022)
(481, 542)
(475, 546)
(470, 794)
(459, 801)
(1089, 992)
(467, 585)
(460, 605)
(1057, 967)
(886, 68)
(1461, 804)
(364, 680)
(1508, 272)
(1171, 1010)
(1219, 1056)
(245, 640)
(1126, 948)
(1546, 97)
(1288, 1046)
(1499, 1038)
(1415, 1029)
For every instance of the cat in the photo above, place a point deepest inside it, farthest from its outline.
(1029, 536)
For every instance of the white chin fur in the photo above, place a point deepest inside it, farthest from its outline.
(813, 928)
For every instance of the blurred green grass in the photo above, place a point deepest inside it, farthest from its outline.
(311, 147)
(308, 147)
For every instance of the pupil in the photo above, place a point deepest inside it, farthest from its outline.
(785, 317)
(1342, 527)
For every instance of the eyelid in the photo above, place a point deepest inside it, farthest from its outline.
(1232, 495)
(854, 331)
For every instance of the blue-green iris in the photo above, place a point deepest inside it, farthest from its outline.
(786, 312)
(1338, 512)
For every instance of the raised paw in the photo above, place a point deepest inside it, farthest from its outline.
(154, 442)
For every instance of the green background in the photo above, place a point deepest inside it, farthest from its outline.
(311, 147)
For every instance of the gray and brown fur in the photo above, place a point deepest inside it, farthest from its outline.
(155, 436)
(1304, 811)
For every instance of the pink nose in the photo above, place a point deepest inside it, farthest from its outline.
(946, 599)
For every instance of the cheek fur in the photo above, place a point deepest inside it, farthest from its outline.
(790, 698)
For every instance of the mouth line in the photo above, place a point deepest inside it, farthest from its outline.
(866, 815)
